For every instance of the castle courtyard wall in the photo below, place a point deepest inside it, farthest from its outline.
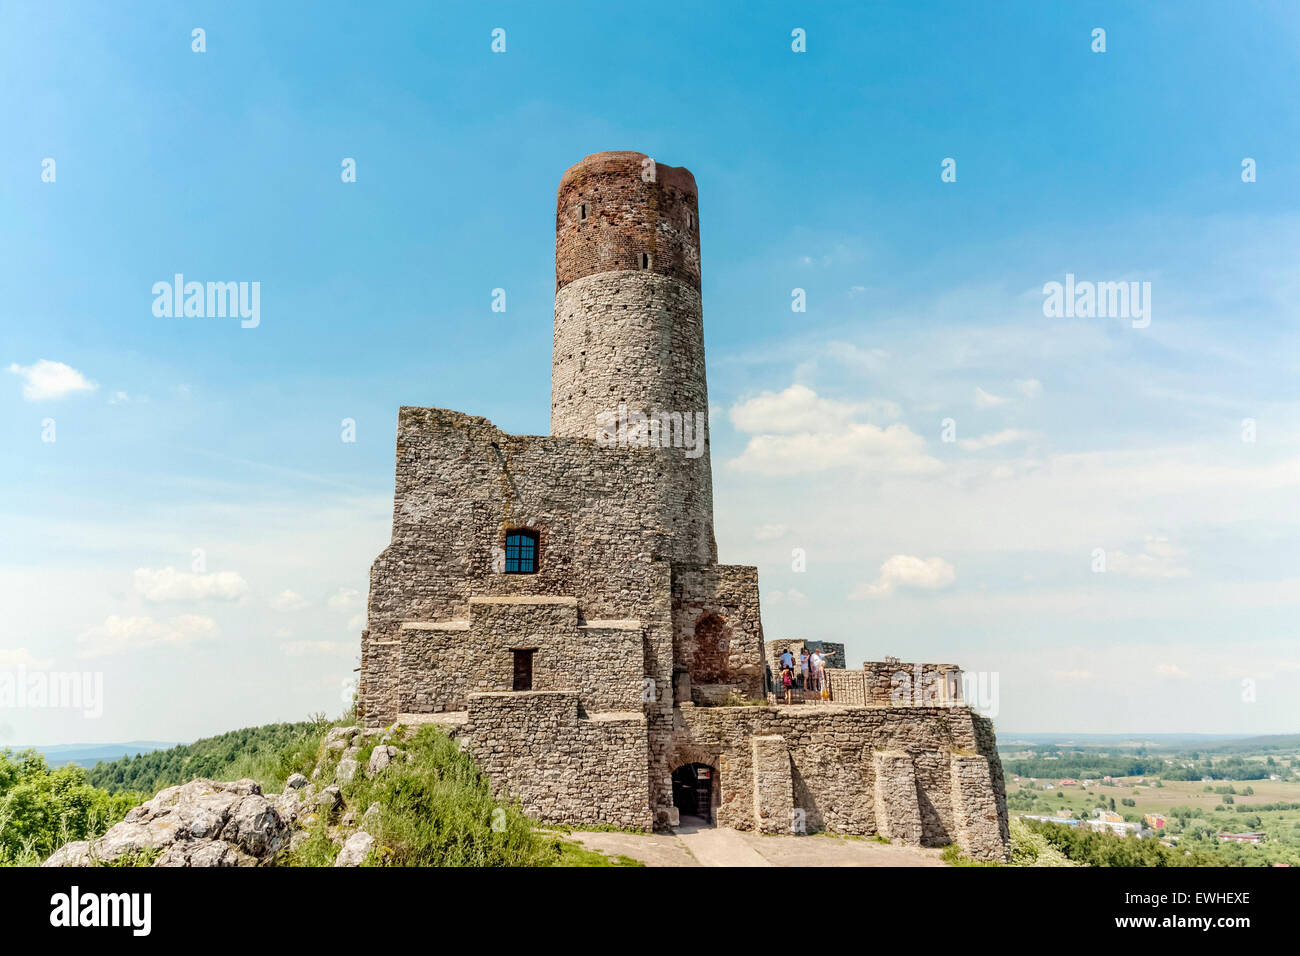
(562, 767)
(836, 772)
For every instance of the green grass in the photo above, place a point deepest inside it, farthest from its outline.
(573, 854)
(953, 856)
(437, 809)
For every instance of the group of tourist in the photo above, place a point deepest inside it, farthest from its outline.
(807, 674)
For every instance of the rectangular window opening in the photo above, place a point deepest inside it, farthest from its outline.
(523, 674)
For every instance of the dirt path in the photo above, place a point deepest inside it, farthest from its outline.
(697, 844)
(717, 846)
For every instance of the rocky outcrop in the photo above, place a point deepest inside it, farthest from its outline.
(209, 823)
(200, 823)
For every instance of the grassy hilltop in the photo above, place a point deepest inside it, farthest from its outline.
(433, 810)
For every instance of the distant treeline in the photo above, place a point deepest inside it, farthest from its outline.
(224, 757)
(1278, 743)
(1087, 765)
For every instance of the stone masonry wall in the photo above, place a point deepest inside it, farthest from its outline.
(774, 810)
(832, 752)
(563, 768)
(609, 211)
(441, 664)
(636, 339)
(898, 682)
(462, 484)
(728, 592)
(986, 745)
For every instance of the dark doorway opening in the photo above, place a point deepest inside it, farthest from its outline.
(523, 670)
(693, 791)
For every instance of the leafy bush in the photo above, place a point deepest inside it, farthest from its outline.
(1031, 848)
(42, 809)
(1091, 848)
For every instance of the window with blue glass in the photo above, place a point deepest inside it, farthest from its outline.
(521, 552)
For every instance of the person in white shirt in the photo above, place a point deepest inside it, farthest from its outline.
(818, 665)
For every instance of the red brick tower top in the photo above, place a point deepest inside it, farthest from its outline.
(620, 210)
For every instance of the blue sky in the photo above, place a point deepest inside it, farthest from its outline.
(817, 170)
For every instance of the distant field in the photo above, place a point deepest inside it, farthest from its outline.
(1281, 827)
(1159, 799)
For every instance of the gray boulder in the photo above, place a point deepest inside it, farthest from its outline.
(329, 799)
(346, 770)
(381, 757)
(355, 850)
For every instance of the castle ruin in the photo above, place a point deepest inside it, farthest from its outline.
(556, 603)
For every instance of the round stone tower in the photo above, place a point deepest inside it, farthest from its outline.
(629, 330)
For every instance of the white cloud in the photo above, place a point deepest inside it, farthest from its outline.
(357, 622)
(984, 399)
(288, 600)
(1159, 559)
(796, 431)
(1030, 387)
(1170, 670)
(770, 532)
(168, 584)
(22, 657)
(46, 380)
(800, 409)
(907, 571)
(1005, 437)
(120, 635)
(793, 596)
(314, 648)
(893, 450)
(344, 599)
